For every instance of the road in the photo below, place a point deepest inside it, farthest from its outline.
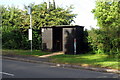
(19, 69)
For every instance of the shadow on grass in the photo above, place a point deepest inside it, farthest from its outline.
(90, 59)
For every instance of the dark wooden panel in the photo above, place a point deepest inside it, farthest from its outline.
(57, 39)
(79, 40)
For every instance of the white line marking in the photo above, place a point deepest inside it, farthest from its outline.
(7, 73)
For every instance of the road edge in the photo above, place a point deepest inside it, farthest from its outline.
(65, 65)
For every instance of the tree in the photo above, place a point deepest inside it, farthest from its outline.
(41, 16)
(107, 14)
(108, 19)
(15, 24)
(11, 16)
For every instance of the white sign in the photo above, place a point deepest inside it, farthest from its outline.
(42, 30)
(30, 34)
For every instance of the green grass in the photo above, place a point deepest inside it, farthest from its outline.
(24, 52)
(96, 60)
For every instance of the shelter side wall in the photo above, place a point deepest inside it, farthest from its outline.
(47, 39)
(79, 40)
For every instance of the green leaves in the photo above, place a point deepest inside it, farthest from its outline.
(15, 23)
(106, 39)
(107, 14)
(49, 17)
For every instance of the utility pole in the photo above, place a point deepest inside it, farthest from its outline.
(30, 30)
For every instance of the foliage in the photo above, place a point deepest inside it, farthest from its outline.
(104, 41)
(15, 24)
(86, 46)
(11, 16)
(107, 14)
(16, 39)
(107, 38)
(49, 17)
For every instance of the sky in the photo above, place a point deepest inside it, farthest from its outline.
(81, 7)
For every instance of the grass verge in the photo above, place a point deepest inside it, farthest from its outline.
(94, 60)
(24, 52)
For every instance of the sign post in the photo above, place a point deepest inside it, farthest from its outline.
(30, 30)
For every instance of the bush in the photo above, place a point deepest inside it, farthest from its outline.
(105, 41)
(18, 39)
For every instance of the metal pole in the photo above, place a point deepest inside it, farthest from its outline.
(31, 28)
(31, 46)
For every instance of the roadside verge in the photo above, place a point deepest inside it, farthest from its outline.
(46, 61)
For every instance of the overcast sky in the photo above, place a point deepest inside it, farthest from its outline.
(81, 7)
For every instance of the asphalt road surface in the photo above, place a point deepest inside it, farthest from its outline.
(19, 69)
